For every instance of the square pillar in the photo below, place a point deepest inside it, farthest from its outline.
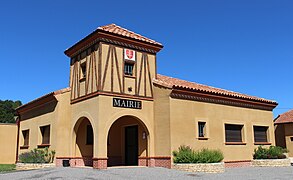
(100, 163)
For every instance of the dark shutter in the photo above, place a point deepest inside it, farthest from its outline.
(45, 130)
(260, 133)
(201, 128)
(89, 135)
(25, 134)
(233, 133)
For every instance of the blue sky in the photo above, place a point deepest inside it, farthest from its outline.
(244, 46)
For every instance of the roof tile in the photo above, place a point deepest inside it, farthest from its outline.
(286, 117)
(113, 28)
(174, 82)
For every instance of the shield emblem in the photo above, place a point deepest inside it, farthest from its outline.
(129, 54)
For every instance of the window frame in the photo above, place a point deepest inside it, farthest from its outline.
(25, 144)
(83, 70)
(43, 131)
(130, 64)
(231, 142)
(256, 142)
(202, 135)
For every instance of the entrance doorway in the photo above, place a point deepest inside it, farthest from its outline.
(131, 146)
(127, 141)
(84, 142)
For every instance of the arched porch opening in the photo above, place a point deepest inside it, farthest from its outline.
(127, 141)
(84, 142)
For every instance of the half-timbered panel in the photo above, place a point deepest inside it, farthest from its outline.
(84, 73)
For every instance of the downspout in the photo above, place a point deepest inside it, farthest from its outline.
(17, 141)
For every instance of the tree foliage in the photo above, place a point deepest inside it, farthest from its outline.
(7, 108)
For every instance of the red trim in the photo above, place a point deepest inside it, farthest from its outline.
(202, 138)
(43, 145)
(24, 147)
(109, 94)
(100, 158)
(262, 143)
(220, 96)
(156, 157)
(107, 35)
(235, 143)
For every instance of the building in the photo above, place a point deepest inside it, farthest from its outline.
(119, 111)
(284, 131)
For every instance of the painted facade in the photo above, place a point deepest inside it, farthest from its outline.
(119, 111)
(284, 131)
(8, 139)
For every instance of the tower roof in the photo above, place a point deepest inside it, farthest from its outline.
(116, 33)
(115, 29)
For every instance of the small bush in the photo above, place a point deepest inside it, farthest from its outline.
(37, 156)
(187, 155)
(273, 152)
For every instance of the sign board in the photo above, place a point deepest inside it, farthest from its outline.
(129, 54)
(127, 103)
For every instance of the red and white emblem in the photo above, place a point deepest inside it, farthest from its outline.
(129, 54)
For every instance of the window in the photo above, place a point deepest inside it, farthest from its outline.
(201, 129)
(260, 133)
(128, 68)
(45, 130)
(83, 70)
(25, 134)
(233, 133)
(89, 135)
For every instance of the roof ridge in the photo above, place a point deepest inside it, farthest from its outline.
(141, 37)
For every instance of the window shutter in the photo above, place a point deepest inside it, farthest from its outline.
(233, 133)
(260, 133)
(46, 134)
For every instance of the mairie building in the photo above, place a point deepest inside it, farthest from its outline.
(118, 111)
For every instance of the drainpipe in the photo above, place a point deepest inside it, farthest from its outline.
(17, 141)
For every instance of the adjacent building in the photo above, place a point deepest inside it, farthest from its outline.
(284, 131)
(119, 111)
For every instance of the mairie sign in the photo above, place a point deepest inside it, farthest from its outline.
(127, 103)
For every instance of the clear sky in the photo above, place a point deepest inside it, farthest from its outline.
(244, 45)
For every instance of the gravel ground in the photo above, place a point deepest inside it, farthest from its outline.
(149, 173)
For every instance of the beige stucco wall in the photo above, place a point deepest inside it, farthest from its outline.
(184, 117)
(102, 115)
(8, 140)
(288, 136)
(57, 115)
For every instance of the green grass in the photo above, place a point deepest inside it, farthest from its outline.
(7, 167)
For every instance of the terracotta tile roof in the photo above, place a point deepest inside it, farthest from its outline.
(174, 82)
(113, 28)
(61, 91)
(286, 117)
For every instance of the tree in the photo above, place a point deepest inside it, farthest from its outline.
(7, 109)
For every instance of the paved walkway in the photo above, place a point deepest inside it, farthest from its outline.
(149, 173)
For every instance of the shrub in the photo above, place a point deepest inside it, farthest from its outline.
(273, 152)
(37, 156)
(187, 155)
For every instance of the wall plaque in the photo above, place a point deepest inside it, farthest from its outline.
(127, 103)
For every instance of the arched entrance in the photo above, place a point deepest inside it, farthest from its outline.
(84, 142)
(127, 141)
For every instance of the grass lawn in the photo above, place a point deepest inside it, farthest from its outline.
(7, 167)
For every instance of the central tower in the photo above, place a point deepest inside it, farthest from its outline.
(112, 61)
